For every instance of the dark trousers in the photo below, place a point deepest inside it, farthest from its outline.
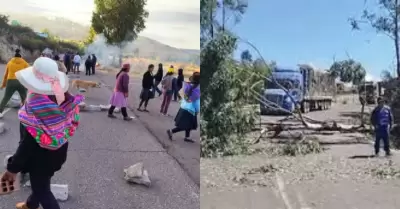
(68, 66)
(176, 130)
(88, 69)
(41, 193)
(382, 133)
(176, 94)
(165, 103)
(123, 111)
(12, 86)
(93, 69)
(156, 83)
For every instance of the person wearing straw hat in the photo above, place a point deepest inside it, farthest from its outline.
(48, 119)
(10, 83)
(186, 118)
(168, 91)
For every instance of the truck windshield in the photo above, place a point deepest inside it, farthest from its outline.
(287, 83)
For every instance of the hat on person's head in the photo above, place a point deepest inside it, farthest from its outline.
(126, 66)
(44, 78)
(171, 70)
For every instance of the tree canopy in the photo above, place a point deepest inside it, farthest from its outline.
(119, 20)
(385, 20)
(349, 71)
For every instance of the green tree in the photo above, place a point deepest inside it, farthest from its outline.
(385, 20)
(245, 56)
(349, 71)
(119, 20)
(232, 9)
(91, 36)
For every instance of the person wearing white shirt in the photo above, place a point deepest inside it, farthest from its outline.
(77, 63)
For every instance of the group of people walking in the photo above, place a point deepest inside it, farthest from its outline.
(171, 86)
(49, 117)
(73, 61)
(186, 118)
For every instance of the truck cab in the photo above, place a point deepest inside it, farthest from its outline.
(291, 80)
(368, 92)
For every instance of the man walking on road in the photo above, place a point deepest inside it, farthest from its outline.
(94, 62)
(382, 120)
(77, 63)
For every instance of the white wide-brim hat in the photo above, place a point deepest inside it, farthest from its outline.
(30, 77)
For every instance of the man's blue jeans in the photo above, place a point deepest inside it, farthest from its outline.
(382, 133)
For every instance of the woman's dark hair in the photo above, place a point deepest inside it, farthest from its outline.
(150, 66)
(122, 70)
(180, 71)
(169, 73)
(17, 53)
(56, 58)
(195, 80)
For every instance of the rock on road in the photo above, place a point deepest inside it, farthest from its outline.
(98, 153)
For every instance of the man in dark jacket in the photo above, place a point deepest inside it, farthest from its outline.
(178, 85)
(147, 85)
(67, 61)
(94, 62)
(382, 121)
(157, 79)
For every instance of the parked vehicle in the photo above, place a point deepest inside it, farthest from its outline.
(311, 89)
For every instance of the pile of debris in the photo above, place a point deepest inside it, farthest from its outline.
(95, 108)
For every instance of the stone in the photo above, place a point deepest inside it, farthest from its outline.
(105, 107)
(137, 174)
(15, 101)
(60, 191)
(2, 128)
(93, 108)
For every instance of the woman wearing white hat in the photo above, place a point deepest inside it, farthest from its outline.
(48, 119)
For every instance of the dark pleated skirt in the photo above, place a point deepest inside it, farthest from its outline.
(185, 120)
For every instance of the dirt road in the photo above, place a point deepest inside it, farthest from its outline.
(98, 153)
(340, 177)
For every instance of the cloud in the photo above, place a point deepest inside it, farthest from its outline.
(370, 77)
(173, 22)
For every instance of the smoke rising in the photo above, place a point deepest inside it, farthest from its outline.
(107, 55)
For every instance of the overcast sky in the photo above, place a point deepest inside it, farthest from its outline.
(173, 22)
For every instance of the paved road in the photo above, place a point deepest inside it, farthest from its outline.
(98, 153)
(186, 154)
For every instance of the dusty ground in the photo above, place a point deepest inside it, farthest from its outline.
(342, 176)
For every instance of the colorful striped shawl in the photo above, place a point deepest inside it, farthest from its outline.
(51, 125)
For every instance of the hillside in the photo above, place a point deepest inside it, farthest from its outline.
(142, 47)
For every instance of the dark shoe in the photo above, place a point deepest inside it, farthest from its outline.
(145, 110)
(127, 118)
(388, 154)
(140, 110)
(169, 132)
(112, 116)
(188, 140)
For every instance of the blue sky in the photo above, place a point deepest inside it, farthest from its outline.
(313, 31)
